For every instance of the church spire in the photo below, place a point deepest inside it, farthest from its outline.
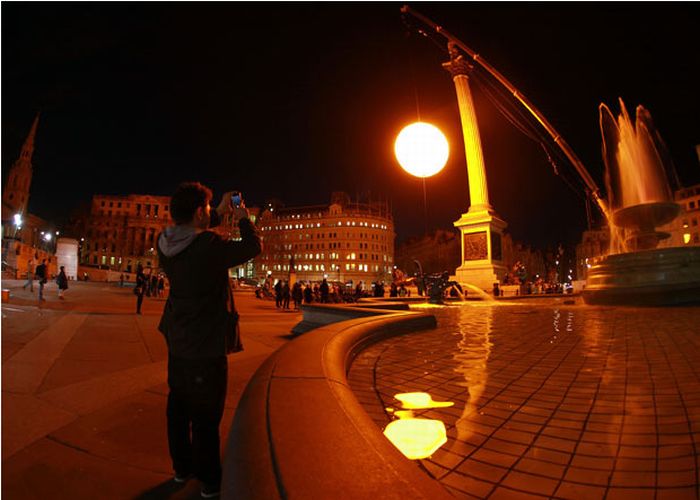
(15, 196)
(28, 147)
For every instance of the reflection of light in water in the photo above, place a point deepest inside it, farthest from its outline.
(473, 355)
(420, 400)
(416, 437)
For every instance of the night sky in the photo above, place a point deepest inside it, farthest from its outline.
(295, 100)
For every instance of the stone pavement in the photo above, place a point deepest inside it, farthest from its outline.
(84, 391)
(551, 400)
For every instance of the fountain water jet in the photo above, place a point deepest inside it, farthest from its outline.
(639, 197)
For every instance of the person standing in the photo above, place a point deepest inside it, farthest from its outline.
(278, 294)
(286, 295)
(30, 276)
(62, 282)
(140, 288)
(198, 317)
(41, 272)
(324, 291)
(308, 294)
(297, 295)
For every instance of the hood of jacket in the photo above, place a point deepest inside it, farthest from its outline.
(175, 239)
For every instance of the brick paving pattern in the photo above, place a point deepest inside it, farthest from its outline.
(551, 401)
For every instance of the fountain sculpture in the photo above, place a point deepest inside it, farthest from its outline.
(640, 200)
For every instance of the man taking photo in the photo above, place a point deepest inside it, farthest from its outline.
(197, 323)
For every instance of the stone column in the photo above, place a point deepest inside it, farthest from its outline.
(459, 68)
(481, 228)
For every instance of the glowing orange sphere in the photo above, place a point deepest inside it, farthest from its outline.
(421, 149)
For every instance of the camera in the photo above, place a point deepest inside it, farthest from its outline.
(236, 199)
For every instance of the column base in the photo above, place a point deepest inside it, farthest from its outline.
(482, 276)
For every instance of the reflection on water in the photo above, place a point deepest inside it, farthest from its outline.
(539, 383)
(473, 350)
(415, 437)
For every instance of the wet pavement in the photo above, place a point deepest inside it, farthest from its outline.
(551, 400)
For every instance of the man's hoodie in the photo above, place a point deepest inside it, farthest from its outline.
(197, 314)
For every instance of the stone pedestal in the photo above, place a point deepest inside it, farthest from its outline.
(482, 249)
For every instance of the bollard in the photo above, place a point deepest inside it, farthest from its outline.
(5, 295)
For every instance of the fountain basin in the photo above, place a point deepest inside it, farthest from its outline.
(659, 277)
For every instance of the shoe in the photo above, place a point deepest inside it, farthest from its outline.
(182, 478)
(210, 491)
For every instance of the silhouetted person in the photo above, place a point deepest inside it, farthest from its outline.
(42, 275)
(62, 282)
(308, 294)
(324, 289)
(199, 320)
(278, 294)
(297, 295)
(286, 295)
(140, 289)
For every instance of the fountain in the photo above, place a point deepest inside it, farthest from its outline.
(636, 271)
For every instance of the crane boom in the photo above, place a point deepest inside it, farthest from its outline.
(593, 189)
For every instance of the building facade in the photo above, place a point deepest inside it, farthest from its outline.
(122, 231)
(442, 251)
(684, 229)
(343, 241)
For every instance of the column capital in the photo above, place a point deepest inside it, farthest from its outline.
(457, 65)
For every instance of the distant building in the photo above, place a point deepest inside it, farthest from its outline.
(437, 252)
(685, 229)
(342, 241)
(441, 251)
(122, 230)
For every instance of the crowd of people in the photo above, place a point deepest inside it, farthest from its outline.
(323, 292)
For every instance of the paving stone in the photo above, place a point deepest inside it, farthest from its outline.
(612, 403)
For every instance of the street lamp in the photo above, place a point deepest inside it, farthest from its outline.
(422, 150)
(18, 223)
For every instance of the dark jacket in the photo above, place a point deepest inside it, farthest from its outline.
(62, 281)
(195, 318)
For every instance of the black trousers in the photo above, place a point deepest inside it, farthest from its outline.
(195, 407)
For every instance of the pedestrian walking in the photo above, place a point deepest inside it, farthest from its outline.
(161, 286)
(62, 282)
(41, 274)
(121, 280)
(30, 276)
(308, 294)
(199, 321)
